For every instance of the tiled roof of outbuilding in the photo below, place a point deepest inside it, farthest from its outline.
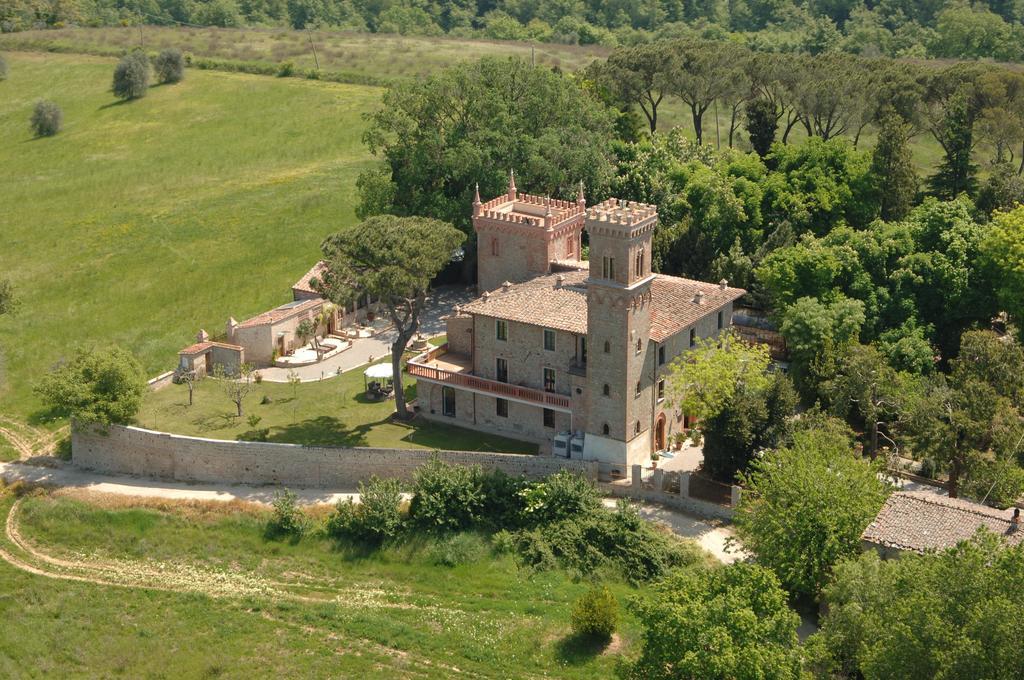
(919, 520)
(302, 285)
(281, 313)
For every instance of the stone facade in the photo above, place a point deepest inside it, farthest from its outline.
(135, 451)
(575, 346)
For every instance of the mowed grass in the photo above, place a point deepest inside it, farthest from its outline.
(398, 613)
(142, 222)
(331, 412)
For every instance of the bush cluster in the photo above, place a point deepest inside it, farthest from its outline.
(131, 76)
(3, 68)
(46, 119)
(287, 519)
(169, 66)
(595, 614)
(375, 519)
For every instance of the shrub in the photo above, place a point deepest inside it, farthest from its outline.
(95, 387)
(169, 66)
(131, 76)
(562, 495)
(595, 614)
(503, 542)
(456, 549)
(504, 501)
(3, 68)
(375, 519)
(46, 119)
(286, 69)
(446, 497)
(287, 519)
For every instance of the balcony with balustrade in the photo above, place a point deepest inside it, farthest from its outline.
(438, 365)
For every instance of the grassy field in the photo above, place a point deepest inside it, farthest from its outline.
(214, 597)
(142, 222)
(333, 412)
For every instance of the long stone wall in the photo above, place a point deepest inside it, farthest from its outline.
(159, 455)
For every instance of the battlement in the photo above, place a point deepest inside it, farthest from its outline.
(529, 210)
(607, 215)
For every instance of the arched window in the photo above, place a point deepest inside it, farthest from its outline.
(604, 429)
(494, 247)
(636, 430)
(639, 345)
(638, 388)
(607, 390)
(607, 347)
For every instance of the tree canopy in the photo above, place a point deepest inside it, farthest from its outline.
(805, 506)
(393, 260)
(100, 387)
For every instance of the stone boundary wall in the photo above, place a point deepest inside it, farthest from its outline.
(171, 457)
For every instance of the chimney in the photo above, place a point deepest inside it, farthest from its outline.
(485, 297)
(511, 185)
(559, 281)
(506, 286)
(723, 284)
(203, 336)
(699, 297)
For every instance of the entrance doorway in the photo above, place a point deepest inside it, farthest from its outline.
(659, 433)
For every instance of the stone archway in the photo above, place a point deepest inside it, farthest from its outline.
(659, 433)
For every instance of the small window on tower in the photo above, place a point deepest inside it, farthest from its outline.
(501, 329)
(607, 347)
(638, 388)
(639, 346)
(607, 390)
(604, 429)
(661, 355)
(636, 428)
(661, 389)
(549, 340)
(494, 247)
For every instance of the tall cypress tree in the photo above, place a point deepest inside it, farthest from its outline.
(761, 125)
(892, 167)
(956, 173)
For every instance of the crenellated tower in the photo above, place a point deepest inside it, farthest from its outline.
(618, 330)
(519, 235)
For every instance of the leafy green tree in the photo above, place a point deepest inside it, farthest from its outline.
(761, 125)
(702, 76)
(955, 614)
(471, 123)
(94, 387)
(956, 173)
(892, 167)
(703, 380)
(727, 622)
(595, 614)
(751, 422)
(47, 119)
(812, 330)
(375, 519)
(1003, 251)
(989, 358)
(639, 75)
(169, 66)
(391, 259)
(1002, 190)
(131, 76)
(446, 497)
(781, 519)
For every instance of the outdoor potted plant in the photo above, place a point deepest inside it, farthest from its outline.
(654, 460)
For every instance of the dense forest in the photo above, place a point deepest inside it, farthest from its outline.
(986, 29)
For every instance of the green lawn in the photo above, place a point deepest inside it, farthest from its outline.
(142, 222)
(390, 613)
(333, 412)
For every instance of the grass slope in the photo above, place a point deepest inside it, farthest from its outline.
(144, 221)
(333, 412)
(397, 612)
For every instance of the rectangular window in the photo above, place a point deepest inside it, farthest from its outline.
(661, 389)
(501, 407)
(583, 349)
(549, 418)
(501, 370)
(693, 337)
(501, 329)
(549, 340)
(638, 388)
(448, 401)
(721, 321)
(549, 380)
(494, 247)
(661, 355)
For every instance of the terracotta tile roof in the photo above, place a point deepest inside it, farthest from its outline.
(919, 520)
(676, 306)
(203, 346)
(302, 285)
(281, 313)
(542, 303)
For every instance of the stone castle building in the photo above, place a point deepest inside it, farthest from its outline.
(558, 348)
